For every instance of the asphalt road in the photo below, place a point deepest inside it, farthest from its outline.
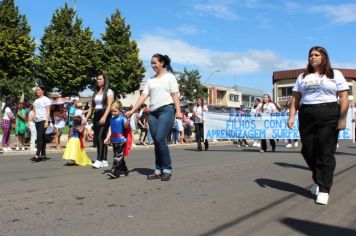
(224, 191)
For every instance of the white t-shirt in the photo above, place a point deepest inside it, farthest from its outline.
(99, 99)
(40, 105)
(7, 110)
(316, 89)
(199, 113)
(160, 89)
(268, 108)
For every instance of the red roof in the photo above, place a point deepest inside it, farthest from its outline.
(293, 74)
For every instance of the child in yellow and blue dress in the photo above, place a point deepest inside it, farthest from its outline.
(75, 151)
(118, 133)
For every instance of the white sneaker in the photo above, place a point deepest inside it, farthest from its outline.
(104, 164)
(296, 144)
(289, 145)
(258, 145)
(7, 149)
(17, 149)
(337, 145)
(322, 198)
(262, 150)
(33, 149)
(254, 144)
(314, 189)
(23, 148)
(97, 164)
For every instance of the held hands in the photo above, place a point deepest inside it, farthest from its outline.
(179, 114)
(290, 123)
(46, 124)
(106, 141)
(102, 121)
(341, 124)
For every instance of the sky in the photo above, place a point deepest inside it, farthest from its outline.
(230, 42)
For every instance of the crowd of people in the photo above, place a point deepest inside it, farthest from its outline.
(319, 99)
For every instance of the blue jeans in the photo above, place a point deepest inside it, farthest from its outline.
(160, 123)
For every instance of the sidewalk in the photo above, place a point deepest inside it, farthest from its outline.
(51, 148)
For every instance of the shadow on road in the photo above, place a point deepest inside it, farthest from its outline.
(287, 187)
(344, 153)
(313, 228)
(143, 171)
(288, 165)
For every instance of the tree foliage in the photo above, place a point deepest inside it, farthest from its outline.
(69, 55)
(16, 51)
(120, 57)
(190, 87)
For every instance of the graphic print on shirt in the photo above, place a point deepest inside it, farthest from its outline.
(314, 86)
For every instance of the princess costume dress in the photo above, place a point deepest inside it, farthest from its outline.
(75, 151)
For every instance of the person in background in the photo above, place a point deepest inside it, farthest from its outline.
(32, 126)
(163, 92)
(321, 116)
(21, 127)
(290, 145)
(59, 125)
(143, 124)
(187, 127)
(6, 125)
(88, 131)
(75, 151)
(265, 109)
(41, 114)
(256, 142)
(101, 102)
(198, 114)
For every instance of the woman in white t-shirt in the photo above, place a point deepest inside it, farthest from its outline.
(100, 106)
(265, 108)
(163, 92)
(41, 115)
(321, 116)
(199, 118)
(6, 125)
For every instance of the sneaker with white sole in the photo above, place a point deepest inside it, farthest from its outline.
(97, 164)
(314, 189)
(17, 149)
(23, 149)
(322, 198)
(296, 144)
(254, 144)
(289, 145)
(258, 145)
(104, 164)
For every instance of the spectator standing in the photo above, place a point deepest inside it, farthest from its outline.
(21, 127)
(31, 124)
(6, 125)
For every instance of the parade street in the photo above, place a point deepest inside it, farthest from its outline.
(224, 191)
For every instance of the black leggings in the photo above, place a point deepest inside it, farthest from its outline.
(100, 132)
(41, 139)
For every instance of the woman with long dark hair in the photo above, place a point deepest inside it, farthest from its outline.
(41, 115)
(321, 117)
(101, 102)
(265, 108)
(164, 102)
(199, 118)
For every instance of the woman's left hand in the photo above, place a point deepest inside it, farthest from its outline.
(102, 121)
(341, 124)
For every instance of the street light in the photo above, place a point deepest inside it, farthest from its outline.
(211, 75)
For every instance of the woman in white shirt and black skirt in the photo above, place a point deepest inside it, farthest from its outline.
(100, 106)
(321, 116)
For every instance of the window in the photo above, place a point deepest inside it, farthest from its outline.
(234, 98)
(285, 91)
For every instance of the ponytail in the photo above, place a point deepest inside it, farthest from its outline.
(166, 61)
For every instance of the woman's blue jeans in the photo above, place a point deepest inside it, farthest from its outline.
(160, 123)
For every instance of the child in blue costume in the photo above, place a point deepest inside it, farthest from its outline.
(118, 124)
(75, 151)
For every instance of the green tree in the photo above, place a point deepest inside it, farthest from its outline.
(69, 55)
(120, 57)
(16, 51)
(190, 87)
